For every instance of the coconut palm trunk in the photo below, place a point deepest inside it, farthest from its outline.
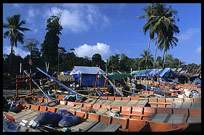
(147, 53)
(164, 57)
(11, 55)
(155, 52)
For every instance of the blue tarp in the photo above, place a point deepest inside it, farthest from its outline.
(199, 86)
(89, 80)
(88, 75)
(196, 81)
(62, 118)
(146, 73)
(167, 72)
(153, 71)
(76, 76)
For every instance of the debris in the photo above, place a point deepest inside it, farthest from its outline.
(48, 118)
(63, 119)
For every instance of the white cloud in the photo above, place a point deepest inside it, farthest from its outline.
(17, 5)
(18, 51)
(79, 17)
(188, 34)
(90, 50)
(31, 13)
(198, 50)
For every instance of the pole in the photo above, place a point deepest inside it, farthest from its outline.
(58, 61)
(23, 76)
(16, 85)
(96, 80)
(30, 83)
(20, 67)
(105, 82)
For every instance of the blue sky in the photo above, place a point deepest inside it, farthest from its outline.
(107, 28)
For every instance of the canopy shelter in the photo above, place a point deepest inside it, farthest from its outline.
(87, 75)
(118, 76)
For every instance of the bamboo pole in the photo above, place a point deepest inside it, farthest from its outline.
(96, 80)
(30, 83)
(16, 85)
(105, 82)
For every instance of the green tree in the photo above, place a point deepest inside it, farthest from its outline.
(159, 62)
(30, 45)
(68, 61)
(61, 55)
(113, 63)
(97, 60)
(168, 40)
(14, 32)
(149, 62)
(50, 45)
(124, 63)
(169, 59)
(163, 18)
(150, 11)
(192, 65)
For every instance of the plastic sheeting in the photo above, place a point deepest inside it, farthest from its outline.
(87, 70)
(118, 76)
(196, 81)
(62, 118)
(89, 80)
(167, 72)
(48, 118)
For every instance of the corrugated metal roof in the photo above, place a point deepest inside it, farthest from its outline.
(87, 70)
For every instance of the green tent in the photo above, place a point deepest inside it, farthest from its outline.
(118, 76)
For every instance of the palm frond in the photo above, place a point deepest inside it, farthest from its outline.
(6, 34)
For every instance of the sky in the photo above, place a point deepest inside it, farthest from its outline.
(106, 28)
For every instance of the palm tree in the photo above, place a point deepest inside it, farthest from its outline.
(146, 59)
(159, 62)
(163, 18)
(13, 32)
(168, 40)
(148, 25)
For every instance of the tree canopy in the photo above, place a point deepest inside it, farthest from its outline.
(50, 45)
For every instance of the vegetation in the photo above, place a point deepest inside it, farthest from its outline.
(146, 59)
(160, 21)
(50, 45)
(14, 33)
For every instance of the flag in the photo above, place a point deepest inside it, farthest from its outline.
(30, 62)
